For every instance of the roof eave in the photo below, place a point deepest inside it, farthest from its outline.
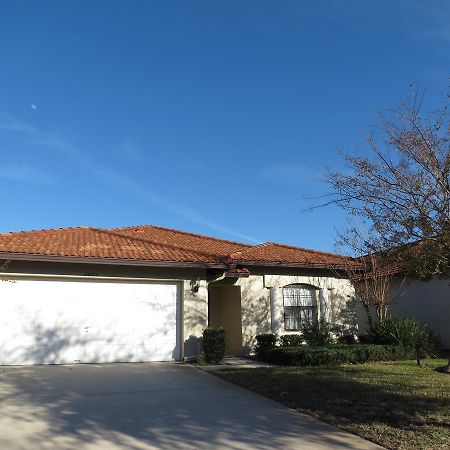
(288, 264)
(111, 261)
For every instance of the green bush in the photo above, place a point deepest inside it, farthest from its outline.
(334, 355)
(347, 339)
(264, 342)
(406, 332)
(365, 339)
(214, 344)
(291, 340)
(318, 334)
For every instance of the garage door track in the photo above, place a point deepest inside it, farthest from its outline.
(148, 406)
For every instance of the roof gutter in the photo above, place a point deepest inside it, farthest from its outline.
(94, 260)
(149, 263)
(299, 265)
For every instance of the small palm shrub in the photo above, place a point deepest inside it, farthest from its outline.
(318, 334)
(214, 344)
(405, 332)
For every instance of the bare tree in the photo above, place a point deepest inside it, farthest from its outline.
(401, 187)
(371, 276)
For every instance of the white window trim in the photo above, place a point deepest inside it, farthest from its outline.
(313, 308)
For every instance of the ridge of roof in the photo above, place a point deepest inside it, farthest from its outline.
(320, 252)
(289, 247)
(43, 230)
(188, 233)
(154, 242)
(272, 252)
(253, 247)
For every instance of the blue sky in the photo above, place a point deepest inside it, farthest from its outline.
(213, 117)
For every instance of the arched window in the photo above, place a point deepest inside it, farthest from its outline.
(300, 306)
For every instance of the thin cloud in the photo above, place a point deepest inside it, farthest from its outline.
(430, 20)
(130, 151)
(293, 175)
(113, 177)
(12, 124)
(25, 174)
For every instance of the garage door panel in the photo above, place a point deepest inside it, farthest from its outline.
(48, 321)
(95, 352)
(23, 355)
(159, 351)
(70, 354)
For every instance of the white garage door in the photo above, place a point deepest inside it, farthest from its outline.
(62, 322)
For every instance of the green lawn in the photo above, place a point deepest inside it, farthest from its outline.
(398, 405)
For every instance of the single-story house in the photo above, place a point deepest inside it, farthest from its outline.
(146, 293)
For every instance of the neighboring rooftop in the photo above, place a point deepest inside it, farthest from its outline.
(149, 244)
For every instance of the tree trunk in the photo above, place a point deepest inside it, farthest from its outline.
(381, 312)
(369, 315)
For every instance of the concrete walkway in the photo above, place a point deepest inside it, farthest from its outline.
(235, 362)
(148, 406)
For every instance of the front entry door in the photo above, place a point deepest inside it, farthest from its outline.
(225, 311)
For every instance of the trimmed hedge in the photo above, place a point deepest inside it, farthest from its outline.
(291, 340)
(264, 342)
(334, 355)
(214, 344)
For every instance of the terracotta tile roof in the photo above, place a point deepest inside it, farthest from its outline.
(157, 244)
(184, 239)
(87, 242)
(271, 252)
(237, 272)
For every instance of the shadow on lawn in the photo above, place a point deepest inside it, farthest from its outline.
(344, 398)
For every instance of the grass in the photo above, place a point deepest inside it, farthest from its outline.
(398, 405)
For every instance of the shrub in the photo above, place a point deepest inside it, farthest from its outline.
(406, 332)
(291, 340)
(318, 334)
(365, 339)
(334, 355)
(347, 339)
(214, 344)
(264, 342)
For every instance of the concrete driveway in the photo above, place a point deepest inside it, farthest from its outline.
(148, 406)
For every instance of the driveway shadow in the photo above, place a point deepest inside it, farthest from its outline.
(148, 405)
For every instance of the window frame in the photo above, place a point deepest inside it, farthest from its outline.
(303, 314)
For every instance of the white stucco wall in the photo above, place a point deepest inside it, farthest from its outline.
(428, 302)
(195, 317)
(335, 297)
(255, 295)
(334, 294)
(255, 309)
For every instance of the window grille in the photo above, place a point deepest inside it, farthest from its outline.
(300, 306)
